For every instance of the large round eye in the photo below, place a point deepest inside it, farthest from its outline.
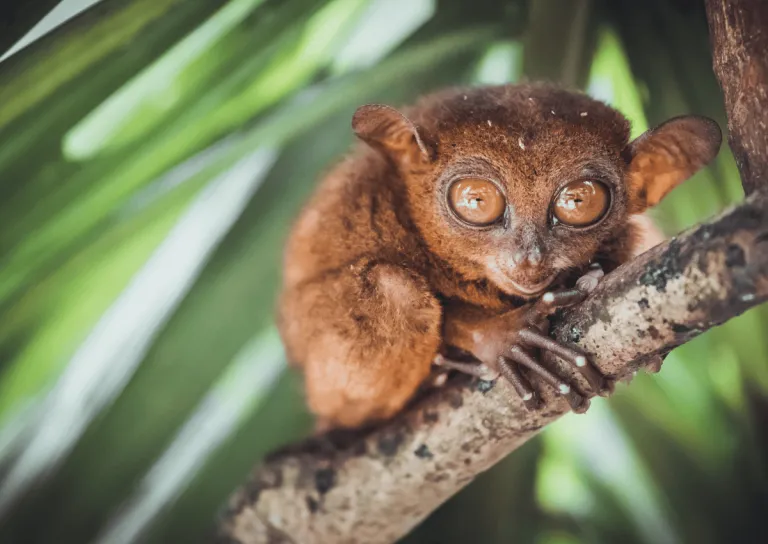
(581, 203)
(476, 201)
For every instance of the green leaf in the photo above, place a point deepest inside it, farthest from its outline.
(559, 41)
(105, 361)
(235, 395)
(17, 18)
(62, 218)
(95, 36)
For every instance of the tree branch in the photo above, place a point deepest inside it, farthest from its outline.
(375, 487)
(738, 31)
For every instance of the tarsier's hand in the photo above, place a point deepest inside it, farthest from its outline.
(517, 341)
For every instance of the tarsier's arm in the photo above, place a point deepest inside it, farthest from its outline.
(494, 199)
(365, 336)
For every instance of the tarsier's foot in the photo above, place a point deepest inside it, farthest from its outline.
(533, 350)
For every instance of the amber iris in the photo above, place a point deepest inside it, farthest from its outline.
(476, 201)
(581, 203)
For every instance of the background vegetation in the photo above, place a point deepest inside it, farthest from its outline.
(152, 156)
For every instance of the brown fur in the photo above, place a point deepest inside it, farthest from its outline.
(379, 275)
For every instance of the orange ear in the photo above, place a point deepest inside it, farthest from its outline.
(662, 158)
(385, 128)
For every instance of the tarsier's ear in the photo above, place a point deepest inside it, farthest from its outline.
(663, 157)
(385, 128)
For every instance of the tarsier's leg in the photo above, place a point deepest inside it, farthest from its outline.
(365, 337)
(507, 343)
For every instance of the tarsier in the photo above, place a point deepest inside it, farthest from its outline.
(455, 228)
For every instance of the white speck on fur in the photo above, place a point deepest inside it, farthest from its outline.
(465, 97)
(489, 123)
(440, 380)
(583, 114)
(520, 143)
(528, 396)
(552, 111)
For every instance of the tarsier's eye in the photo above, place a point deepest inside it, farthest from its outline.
(476, 201)
(581, 203)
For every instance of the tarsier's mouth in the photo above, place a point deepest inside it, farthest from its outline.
(533, 289)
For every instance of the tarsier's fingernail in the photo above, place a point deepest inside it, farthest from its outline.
(528, 396)
(564, 389)
(548, 298)
(581, 361)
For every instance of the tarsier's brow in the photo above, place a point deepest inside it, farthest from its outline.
(596, 170)
(468, 165)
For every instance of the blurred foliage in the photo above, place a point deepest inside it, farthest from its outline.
(18, 17)
(152, 156)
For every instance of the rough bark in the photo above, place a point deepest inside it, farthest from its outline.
(738, 32)
(376, 486)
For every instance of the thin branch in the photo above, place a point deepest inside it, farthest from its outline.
(377, 487)
(738, 32)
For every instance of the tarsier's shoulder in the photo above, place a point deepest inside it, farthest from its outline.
(350, 214)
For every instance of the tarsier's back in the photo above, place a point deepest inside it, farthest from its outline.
(455, 228)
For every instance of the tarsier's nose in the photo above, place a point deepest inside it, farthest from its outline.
(529, 246)
(531, 256)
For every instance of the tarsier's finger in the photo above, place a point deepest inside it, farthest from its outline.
(607, 386)
(472, 369)
(588, 282)
(559, 299)
(584, 285)
(512, 374)
(578, 402)
(517, 354)
(551, 301)
(597, 382)
(536, 339)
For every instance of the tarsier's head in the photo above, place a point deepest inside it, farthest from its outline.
(519, 184)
